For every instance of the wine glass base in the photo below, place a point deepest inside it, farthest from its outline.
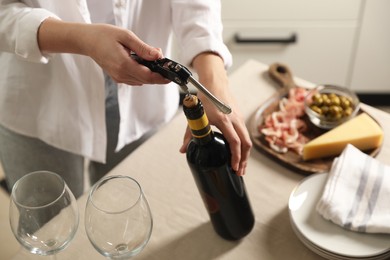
(121, 251)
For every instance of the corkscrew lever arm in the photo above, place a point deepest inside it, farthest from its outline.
(179, 74)
(219, 104)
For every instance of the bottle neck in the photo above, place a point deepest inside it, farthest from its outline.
(200, 129)
(197, 120)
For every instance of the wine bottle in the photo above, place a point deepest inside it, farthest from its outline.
(222, 190)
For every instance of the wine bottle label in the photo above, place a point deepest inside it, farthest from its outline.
(198, 124)
(199, 127)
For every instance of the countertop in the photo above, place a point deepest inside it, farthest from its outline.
(181, 225)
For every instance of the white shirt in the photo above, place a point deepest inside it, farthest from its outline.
(60, 98)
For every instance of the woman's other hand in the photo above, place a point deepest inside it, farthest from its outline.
(212, 74)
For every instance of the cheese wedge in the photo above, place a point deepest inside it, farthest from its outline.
(361, 131)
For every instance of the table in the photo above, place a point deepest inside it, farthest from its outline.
(181, 225)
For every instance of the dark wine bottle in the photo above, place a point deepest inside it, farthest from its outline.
(222, 190)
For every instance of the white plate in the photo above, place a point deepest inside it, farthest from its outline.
(333, 256)
(325, 234)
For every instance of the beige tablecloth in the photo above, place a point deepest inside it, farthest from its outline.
(181, 225)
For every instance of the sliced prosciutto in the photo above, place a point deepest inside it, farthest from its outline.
(283, 128)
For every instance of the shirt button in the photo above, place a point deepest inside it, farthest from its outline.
(120, 3)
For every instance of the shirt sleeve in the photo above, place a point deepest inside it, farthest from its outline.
(198, 28)
(19, 26)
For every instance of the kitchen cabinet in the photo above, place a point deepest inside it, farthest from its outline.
(325, 41)
(371, 67)
(345, 43)
(315, 38)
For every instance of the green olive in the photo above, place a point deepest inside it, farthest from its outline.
(345, 102)
(319, 102)
(317, 96)
(335, 110)
(337, 116)
(348, 111)
(325, 110)
(335, 100)
(332, 106)
(316, 109)
(324, 96)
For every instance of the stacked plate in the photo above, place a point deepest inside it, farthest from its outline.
(324, 237)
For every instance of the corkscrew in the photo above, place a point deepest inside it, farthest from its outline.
(179, 74)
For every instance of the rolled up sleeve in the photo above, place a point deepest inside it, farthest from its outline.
(198, 27)
(26, 45)
(19, 31)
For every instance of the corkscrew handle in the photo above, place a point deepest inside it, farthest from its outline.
(167, 68)
(179, 74)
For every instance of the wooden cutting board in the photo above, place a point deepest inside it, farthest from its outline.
(282, 75)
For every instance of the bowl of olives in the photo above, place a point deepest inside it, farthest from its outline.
(328, 106)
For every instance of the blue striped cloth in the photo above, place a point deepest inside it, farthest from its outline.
(356, 195)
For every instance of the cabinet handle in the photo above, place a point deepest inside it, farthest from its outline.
(288, 40)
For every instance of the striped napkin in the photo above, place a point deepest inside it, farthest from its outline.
(357, 193)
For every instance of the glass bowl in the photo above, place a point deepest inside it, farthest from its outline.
(328, 106)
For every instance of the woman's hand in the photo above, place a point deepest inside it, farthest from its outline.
(108, 45)
(212, 74)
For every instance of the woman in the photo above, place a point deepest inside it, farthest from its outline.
(56, 110)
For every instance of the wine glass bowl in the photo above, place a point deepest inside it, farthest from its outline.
(43, 213)
(118, 220)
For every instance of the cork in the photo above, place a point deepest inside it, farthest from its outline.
(190, 101)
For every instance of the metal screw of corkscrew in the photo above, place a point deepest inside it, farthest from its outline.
(181, 75)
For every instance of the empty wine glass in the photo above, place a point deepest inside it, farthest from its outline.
(43, 213)
(118, 220)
